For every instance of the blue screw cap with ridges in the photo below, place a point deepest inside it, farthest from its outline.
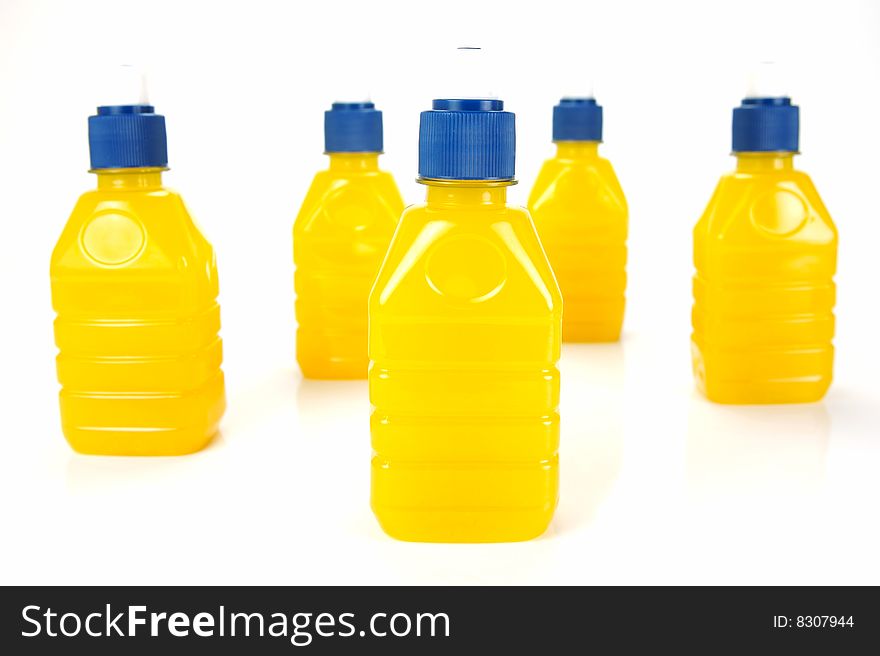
(127, 136)
(353, 127)
(766, 125)
(467, 139)
(577, 119)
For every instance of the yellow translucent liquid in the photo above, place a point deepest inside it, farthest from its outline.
(339, 239)
(581, 215)
(465, 331)
(134, 287)
(765, 252)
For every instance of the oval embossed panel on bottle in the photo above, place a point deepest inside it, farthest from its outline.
(779, 212)
(352, 209)
(466, 268)
(112, 238)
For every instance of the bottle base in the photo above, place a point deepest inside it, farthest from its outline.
(332, 356)
(145, 425)
(765, 378)
(466, 501)
(764, 393)
(589, 332)
(337, 369)
(464, 526)
(129, 442)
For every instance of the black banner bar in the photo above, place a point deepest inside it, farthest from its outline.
(334, 620)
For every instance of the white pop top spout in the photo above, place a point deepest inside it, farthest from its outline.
(766, 80)
(125, 85)
(467, 75)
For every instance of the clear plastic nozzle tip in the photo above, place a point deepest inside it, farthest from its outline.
(353, 98)
(467, 75)
(766, 80)
(581, 89)
(352, 86)
(125, 85)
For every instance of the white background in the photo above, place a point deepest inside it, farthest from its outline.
(658, 486)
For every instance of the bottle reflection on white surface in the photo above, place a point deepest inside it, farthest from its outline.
(90, 475)
(333, 408)
(756, 450)
(332, 437)
(591, 442)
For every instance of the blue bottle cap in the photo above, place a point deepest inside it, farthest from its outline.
(765, 125)
(577, 119)
(127, 136)
(469, 139)
(353, 127)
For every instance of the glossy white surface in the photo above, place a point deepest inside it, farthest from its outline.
(658, 486)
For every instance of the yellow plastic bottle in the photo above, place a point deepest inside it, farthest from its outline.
(134, 286)
(580, 213)
(765, 255)
(465, 332)
(339, 239)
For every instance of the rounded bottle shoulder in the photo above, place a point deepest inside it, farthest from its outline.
(576, 186)
(590, 162)
(746, 188)
(112, 229)
(381, 182)
(333, 176)
(767, 205)
(349, 203)
(469, 261)
(430, 211)
(160, 201)
(769, 176)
